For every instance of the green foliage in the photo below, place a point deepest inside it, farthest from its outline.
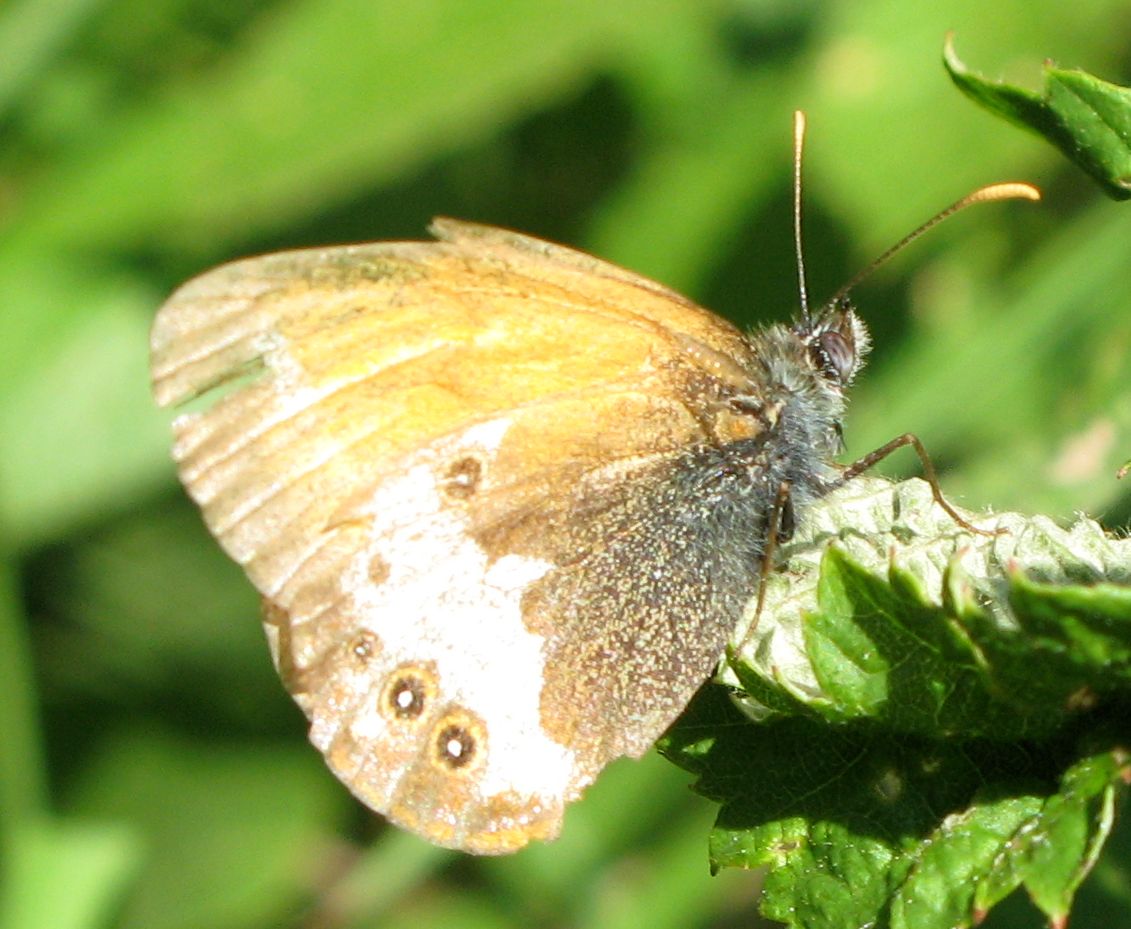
(153, 770)
(1089, 120)
(934, 724)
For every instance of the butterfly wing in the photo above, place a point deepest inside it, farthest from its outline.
(458, 472)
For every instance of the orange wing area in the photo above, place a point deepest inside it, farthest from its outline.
(355, 356)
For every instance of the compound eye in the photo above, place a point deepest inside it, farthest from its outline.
(834, 355)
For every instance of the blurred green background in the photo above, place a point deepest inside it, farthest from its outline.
(153, 771)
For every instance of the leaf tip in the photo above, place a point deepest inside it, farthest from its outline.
(950, 56)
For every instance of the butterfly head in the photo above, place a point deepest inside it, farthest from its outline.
(804, 371)
(835, 342)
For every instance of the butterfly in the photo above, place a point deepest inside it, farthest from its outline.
(504, 502)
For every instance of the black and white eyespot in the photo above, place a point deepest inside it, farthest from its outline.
(459, 742)
(408, 693)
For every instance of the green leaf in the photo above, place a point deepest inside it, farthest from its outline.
(977, 857)
(881, 650)
(1088, 625)
(960, 870)
(1064, 845)
(1089, 120)
(842, 815)
(914, 623)
(922, 720)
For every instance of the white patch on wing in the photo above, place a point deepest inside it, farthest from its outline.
(443, 602)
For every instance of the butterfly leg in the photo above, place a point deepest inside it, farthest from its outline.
(779, 529)
(873, 457)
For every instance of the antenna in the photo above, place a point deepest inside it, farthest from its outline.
(798, 147)
(1010, 190)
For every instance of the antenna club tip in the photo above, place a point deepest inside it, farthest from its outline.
(1009, 190)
